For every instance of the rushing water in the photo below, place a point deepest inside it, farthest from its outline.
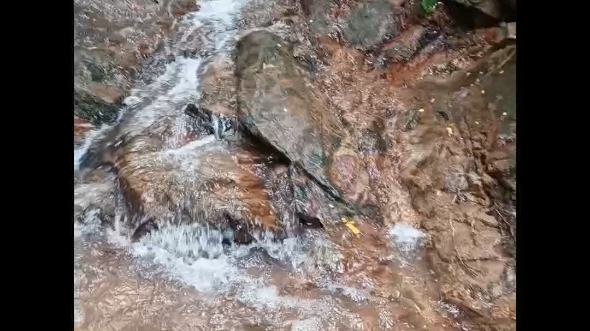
(185, 276)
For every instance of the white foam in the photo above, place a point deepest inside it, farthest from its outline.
(310, 324)
(173, 90)
(192, 145)
(406, 238)
(90, 224)
(355, 294)
(165, 97)
(190, 253)
(187, 79)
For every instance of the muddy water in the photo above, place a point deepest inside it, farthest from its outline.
(184, 277)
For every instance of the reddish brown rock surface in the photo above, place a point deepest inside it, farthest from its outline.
(81, 128)
(442, 155)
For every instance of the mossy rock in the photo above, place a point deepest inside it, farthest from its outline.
(93, 109)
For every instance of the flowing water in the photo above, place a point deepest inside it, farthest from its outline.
(185, 277)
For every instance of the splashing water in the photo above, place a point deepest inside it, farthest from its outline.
(231, 286)
(406, 240)
(406, 237)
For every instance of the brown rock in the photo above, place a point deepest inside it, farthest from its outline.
(81, 128)
(348, 175)
(494, 35)
(462, 242)
(218, 87)
(446, 178)
(206, 185)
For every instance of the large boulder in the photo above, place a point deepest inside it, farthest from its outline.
(275, 106)
(204, 181)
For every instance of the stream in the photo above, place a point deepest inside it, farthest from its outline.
(186, 276)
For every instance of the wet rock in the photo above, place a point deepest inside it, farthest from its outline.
(143, 229)
(101, 152)
(474, 14)
(96, 195)
(310, 200)
(369, 24)
(489, 7)
(275, 105)
(348, 175)
(202, 120)
(195, 112)
(81, 128)
(206, 122)
(309, 221)
(493, 35)
(204, 182)
(93, 109)
(109, 94)
(262, 255)
(455, 181)
(218, 86)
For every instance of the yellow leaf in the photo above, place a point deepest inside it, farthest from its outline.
(350, 225)
(353, 228)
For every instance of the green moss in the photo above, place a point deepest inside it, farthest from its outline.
(318, 157)
(300, 193)
(336, 143)
(428, 6)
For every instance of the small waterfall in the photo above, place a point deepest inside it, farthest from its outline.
(216, 129)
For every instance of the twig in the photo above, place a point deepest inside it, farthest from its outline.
(506, 59)
(467, 268)
(503, 219)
